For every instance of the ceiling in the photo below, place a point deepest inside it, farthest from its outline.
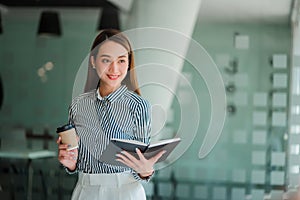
(50, 3)
(266, 11)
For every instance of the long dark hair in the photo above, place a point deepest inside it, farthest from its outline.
(116, 36)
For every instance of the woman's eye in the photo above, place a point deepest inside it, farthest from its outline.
(106, 61)
(122, 61)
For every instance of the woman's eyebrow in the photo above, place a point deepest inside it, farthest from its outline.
(122, 56)
(104, 55)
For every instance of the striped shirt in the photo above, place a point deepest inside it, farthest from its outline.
(122, 114)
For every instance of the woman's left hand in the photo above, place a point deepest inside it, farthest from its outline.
(143, 166)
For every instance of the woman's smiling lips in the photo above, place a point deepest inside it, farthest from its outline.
(113, 77)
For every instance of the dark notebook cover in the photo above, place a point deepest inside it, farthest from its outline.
(117, 145)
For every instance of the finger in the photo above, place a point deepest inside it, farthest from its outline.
(61, 153)
(58, 141)
(129, 156)
(63, 158)
(71, 158)
(155, 158)
(67, 160)
(74, 158)
(62, 146)
(139, 153)
(64, 153)
(74, 151)
(67, 155)
(123, 159)
(74, 154)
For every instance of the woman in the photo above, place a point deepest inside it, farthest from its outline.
(113, 110)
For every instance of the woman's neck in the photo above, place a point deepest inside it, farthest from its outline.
(105, 90)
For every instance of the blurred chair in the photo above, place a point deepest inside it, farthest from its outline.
(13, 185)
(15, 150)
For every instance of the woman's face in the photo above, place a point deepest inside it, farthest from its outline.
(111, 64)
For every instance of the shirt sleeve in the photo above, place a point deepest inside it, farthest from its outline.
(69, 171)
(143, 130)
(72, 114)
(143, 122)
(72, 110)
(137, 177)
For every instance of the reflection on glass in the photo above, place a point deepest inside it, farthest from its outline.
(296, 81)
(295, 149)
(295, 129)
(296, 110)
(294, 169)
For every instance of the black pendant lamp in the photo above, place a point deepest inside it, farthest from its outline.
(109, 18)
(49, 24)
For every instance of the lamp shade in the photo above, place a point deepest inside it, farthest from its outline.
(109, 18)
(49, 24)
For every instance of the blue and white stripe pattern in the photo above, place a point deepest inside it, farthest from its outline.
(122, 114)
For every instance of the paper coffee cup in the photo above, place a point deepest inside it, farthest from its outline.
(68, 136)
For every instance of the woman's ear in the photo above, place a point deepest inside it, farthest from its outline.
(92, 61)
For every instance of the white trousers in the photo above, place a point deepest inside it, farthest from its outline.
(119, 186)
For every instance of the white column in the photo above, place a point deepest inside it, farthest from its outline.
(176, 15)
(294, 108)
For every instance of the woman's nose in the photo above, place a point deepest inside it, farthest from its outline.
(113, 67)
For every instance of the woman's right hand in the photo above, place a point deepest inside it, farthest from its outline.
(67, 158)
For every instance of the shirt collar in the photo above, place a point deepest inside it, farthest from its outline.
(112, 96)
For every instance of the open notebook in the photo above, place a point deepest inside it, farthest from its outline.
(117, 145)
